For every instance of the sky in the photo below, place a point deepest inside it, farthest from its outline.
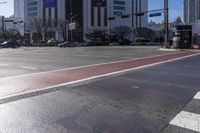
(175, 7)
(7, 9)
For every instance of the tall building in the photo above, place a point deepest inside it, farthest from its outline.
(192, 14)
(45, 9)
(19, 9)
(97, 12)
(88, 15)
(198, 10)
(191, 11)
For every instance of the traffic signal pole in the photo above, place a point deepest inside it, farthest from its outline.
(3, 26)
(166, 12)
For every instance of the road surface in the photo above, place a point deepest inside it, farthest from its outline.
(128, 92)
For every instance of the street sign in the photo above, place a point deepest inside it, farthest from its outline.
(156, 14)
(72, 26)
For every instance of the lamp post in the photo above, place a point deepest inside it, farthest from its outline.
(3, 22)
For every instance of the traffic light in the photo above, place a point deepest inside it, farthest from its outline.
(140, 14)
(111, 18)
(125, 16)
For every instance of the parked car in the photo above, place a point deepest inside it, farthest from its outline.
(114, 44)
(196, 42)
(68, 44)
(10, 44)
(52, 42)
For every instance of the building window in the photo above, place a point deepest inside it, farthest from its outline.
(119, 8)
(32, 8)
(119, 2)
(32, 14)
(32, 3)
(117, 13)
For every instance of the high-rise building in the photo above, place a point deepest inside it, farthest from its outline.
(192, 14)
(97, 12)
(88, 15)
(198, 9)
(19, 9)
(191, 11)
(53, 10)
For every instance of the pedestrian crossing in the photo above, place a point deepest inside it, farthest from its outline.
(188, 119)
(197, 96)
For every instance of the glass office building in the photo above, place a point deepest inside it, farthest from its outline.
(191, 11)
(119, 7)
(32, 8)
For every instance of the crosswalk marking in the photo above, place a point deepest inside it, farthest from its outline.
(187, 120)
(197, 96)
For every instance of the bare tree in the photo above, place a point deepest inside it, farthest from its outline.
(145, 33)
(121, 32)
(35, 25)
(62, 28)
(39, 26)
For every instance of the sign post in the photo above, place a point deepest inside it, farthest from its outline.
(72, 26)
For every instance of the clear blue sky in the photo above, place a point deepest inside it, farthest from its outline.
(6, 9)
(174, 5)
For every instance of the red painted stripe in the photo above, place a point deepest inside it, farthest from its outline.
(14, 85)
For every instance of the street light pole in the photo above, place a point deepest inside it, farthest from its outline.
(3, 23)
(166, 10)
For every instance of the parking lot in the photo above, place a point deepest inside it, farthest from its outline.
(148, 99)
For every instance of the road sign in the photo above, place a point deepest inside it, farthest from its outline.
(72, 26)
(156, 14)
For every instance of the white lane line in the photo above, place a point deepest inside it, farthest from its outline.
(86, 79)
(197, 96)
(121, 61)
(3, 65)
(187, 120)
(99, 56)
(28, 67)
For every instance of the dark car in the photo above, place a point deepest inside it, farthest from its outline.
(10, 44)
(68, 44)
(52, 42)
(196, 42)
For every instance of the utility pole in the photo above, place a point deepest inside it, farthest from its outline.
(133, 16)
(136, 12)
(166, 10)
(2, 21)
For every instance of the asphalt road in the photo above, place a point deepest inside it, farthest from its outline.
(32, 60)
(140, 101)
